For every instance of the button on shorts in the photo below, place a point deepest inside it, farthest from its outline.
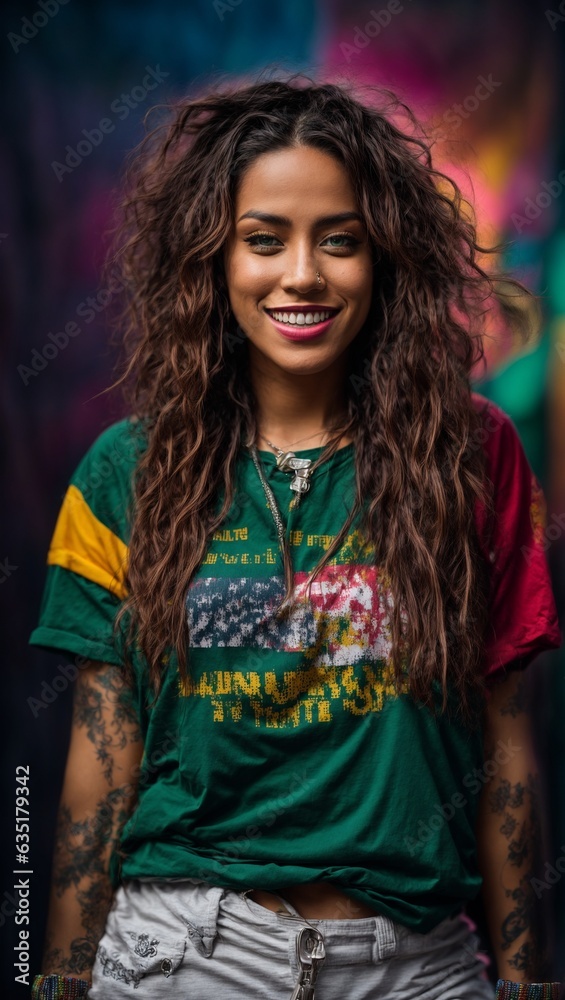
(185, 938)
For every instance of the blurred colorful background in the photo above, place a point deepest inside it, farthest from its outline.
(487, 76)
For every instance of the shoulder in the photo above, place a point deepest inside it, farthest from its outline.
(498, 436)
(513, 489)
(497, 426)
(103, 479)
(120, 444)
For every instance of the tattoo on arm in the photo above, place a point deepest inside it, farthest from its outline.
(517, 702)
(95, 902)
(79, 845)
(80, 860)
(518, 806)
(107, 730)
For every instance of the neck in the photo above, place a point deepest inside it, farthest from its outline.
(292, 407)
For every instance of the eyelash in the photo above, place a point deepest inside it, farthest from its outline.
(252, 240)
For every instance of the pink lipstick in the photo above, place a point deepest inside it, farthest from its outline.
(295, 332)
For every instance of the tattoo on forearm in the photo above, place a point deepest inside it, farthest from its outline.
(80, 859)
(525, 960)
(95, 902)
(108, 730)
(507, 796)
(518, 702)
(79, 960)
(518, 806)
(79, 844)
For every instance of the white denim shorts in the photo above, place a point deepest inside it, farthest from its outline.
(187, 939)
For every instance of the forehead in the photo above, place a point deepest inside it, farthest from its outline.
(300, 174)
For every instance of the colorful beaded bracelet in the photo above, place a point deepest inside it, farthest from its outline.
(58, 988)
(507, 990)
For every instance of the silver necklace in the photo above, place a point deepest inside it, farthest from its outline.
(284, 460)
(271, 502)
(292, 443)
(300, 467)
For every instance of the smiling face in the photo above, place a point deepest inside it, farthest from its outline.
(296, 214)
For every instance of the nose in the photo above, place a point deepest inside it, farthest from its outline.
(300, 272)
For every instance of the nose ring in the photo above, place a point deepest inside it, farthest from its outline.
(318, 277)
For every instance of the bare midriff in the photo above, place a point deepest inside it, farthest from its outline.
(315, 901)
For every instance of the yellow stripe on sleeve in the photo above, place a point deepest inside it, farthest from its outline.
(84, 545)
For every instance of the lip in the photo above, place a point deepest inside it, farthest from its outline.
(302, 307)
(301, 332)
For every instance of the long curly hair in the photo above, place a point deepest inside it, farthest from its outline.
(184, 369)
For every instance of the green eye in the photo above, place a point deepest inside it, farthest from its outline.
(253, 240)
(339, 241)
(350, 241)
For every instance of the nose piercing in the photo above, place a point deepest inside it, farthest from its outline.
(318, 277)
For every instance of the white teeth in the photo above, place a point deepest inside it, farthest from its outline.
(301, 319)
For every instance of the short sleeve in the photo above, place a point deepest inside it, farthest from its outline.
(523, 615)
(87, 557)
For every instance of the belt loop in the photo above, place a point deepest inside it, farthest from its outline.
(385, 938)
(210, 924)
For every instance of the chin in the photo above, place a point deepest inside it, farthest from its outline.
(303, 367)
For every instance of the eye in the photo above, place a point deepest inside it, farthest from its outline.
(257, 240)
(254, 239)
(350, 241)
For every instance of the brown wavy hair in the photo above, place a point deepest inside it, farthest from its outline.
(419, 471)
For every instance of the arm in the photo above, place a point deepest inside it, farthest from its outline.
(509, 836)
(99, 792)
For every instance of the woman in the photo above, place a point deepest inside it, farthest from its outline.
(303, 577)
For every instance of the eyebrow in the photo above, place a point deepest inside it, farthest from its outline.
(282, 220)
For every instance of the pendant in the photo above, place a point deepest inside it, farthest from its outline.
(288, 462)
(300, 484)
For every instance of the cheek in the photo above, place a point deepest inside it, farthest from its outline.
(355, 281)
(248, 275)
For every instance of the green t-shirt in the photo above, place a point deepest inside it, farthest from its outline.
(289, 757)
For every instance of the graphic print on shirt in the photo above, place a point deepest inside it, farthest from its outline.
(342, 636)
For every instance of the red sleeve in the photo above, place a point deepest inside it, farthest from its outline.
(523, 616)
